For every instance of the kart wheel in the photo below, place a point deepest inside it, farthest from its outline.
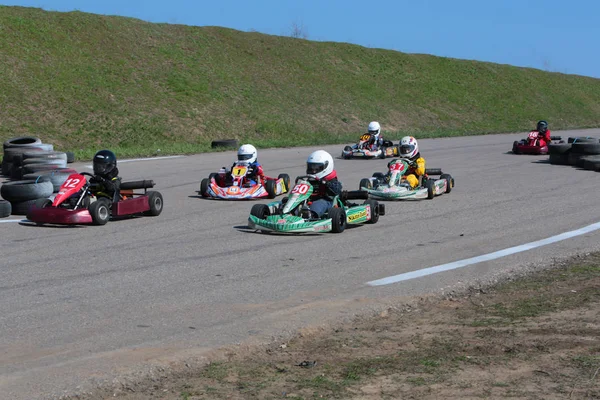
(271, 188)
(43, 203)
(449, 182)
(365, 183)
(204, 187)
(515, 148)
(286, 181)
(260, 211)
(155, 201)
(430, 185)
(100, 211)
(212, 175)
(338, 219)
(382, 155)
(374, 204)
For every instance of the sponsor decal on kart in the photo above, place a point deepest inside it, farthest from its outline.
(358, 215)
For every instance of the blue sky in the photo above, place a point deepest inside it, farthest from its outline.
(553, 35)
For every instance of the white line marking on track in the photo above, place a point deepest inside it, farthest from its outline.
(486, 257)
(142, 159)
(4, 221)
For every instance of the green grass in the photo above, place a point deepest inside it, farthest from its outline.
(84, 82)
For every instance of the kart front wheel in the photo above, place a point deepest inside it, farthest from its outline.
(155, 200)
(430, 185)
(204, 187)
(260, 211)
(374, 205)
(100, 211)
(449, 182)
(515, 148)
(43, 203)
(338, 219)
(365, 183)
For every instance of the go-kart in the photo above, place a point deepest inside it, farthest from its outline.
(236, 185)
(532, 144)
(293, 215)
(361, 149)
(393, 187)
(76, 204)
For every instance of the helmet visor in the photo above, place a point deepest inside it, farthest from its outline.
(244, 157)
(374, 132)
(315, 168)
(406, 149)
(101, 168)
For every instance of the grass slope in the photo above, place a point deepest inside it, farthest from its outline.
(85, 81)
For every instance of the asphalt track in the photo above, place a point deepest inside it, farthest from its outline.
(81, 304)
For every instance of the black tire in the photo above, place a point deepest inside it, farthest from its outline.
(39, 167)
(19, 191)
(260, 211)
(226, 143)
(578, 139)
(374, 204)
(382, 155)
(430, 185)
(449, 182)
(365, 182)
(57, 177)
(22, 141)
(559, 148)
(591, 165)
(17, 159)
(379, 175)
(212, 175)
(22, 207)
(515, 148)
(286, 181)
(559, 159)
(338, 219)
(16, 173)
(100, 211)
(583, 159)
(586, 148)
(45, 155)
(204, 187)
(155, 201)
(271, 188)
(5, 208)
(347, 156)
(6, 167)
(70, 157)
(573, 158)
(42, 203)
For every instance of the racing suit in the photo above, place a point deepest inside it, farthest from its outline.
(323, 193)
(106, 185)
(415, 171)
(375, 144)
(543, 139)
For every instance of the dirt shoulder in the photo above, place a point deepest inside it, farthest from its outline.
(537, 337)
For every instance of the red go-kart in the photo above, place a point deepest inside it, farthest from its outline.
(75, 204)
(534, 144)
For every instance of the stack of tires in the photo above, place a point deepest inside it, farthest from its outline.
(36, 171)
(582, 152)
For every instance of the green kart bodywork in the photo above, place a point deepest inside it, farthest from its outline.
(292, 215)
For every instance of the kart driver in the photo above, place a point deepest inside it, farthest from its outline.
(106, 180)
(409, 150)
(376, 140)
(248, 154)
(319, 168)
(543, 134)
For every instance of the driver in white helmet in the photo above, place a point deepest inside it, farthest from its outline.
(249, 155)
(319, 168)
(409, 150)
(376, 139)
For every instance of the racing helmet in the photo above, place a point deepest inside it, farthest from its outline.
(408, 147)
(319, 164)
(542, 126)
(374, 129)
(247, 153)
(104, 162)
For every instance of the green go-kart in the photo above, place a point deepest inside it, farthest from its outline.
(293, 215)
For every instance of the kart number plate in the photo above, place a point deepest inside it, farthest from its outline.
(301, 188)
(533, 135)
(397, 167)
(239, 171)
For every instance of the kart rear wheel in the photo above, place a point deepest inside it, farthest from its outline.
(365, 183)
(155, 201)
(271, 188)
(286, 181)
(430, 185)
(338, 219)
(515, 148)
(260, 211)
(449, 182)
(100, 211)
(382, 155)
(374, 204)
(204, 187)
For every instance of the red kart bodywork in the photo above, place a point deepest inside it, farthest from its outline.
(534, 144)
(56, 214)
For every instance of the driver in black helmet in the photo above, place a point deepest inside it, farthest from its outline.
(106, 180)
